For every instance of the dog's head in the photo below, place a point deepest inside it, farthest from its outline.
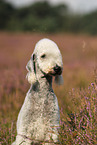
(48, 58)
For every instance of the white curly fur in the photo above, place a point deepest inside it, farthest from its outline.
(38, 119)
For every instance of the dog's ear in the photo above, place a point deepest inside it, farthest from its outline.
(34, 64)
(59, 80)
(31, 68)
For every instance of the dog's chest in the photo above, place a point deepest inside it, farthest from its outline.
(40, 111)
(42, 104)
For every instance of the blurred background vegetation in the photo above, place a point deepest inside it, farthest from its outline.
(43, 17)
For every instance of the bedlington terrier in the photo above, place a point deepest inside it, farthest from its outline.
(39, 117)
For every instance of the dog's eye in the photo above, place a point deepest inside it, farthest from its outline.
(43, 56)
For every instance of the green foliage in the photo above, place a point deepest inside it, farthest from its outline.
(40, 16)
(6, 10)
(43, 17)
(90, 23)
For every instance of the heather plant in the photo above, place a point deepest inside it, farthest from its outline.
(77, 101)
(80, 126)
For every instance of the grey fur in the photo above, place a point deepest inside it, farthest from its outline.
(39, 117)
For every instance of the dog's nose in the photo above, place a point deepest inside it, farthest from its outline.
(57, 69)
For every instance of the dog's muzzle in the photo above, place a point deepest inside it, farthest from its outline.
(57, 70)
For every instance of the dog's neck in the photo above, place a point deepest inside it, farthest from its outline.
(46, 82)
(43, 82)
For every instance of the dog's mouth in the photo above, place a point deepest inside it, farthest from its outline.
(57, 70)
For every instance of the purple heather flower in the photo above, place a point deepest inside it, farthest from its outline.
(92, 84)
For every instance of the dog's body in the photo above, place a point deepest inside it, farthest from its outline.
(39, 117)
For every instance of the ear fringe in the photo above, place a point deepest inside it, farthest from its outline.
(31, 77)
(59, 80)
(29, 66)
